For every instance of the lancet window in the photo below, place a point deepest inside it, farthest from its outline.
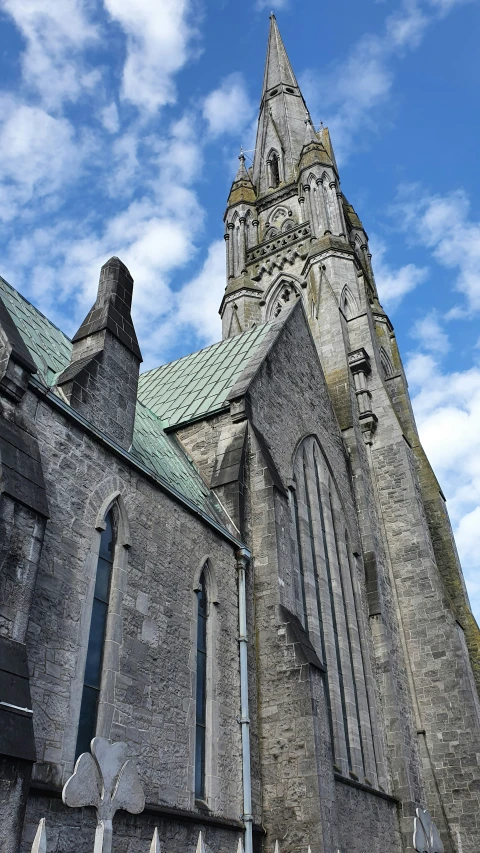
(386, 363)
(328, 611)
(201, 692)
(96, 639)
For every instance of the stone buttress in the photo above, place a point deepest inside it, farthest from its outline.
(23, 516)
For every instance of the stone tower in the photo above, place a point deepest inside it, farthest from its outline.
(292, 235)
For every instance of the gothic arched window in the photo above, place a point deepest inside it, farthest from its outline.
(96, 639)
(328, 610)
(201, 692)
(386, 363)
(275, 170)
(348, 303)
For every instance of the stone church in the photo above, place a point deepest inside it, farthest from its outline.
(239, 564)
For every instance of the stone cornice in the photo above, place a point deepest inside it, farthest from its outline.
(278, 195)
(282, 241)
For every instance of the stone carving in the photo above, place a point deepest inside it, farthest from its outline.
(425, 834)
(107, 781)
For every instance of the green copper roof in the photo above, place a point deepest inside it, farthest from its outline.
(200, 383)
(48, 346)
(50, 349)
(164, 457)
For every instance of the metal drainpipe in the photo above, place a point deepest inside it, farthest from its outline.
(243, 559)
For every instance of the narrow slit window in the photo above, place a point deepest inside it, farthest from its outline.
(275, 170)
(201, 694)
(301, 571)
(334, 622)
(96, 640)
(347, 629)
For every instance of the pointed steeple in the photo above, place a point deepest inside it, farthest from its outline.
(278, 69)
(281, 124)
(313, 150)
(310, 135)
(242, 187)
(242, 173)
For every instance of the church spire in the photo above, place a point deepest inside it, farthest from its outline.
(278, 69)
(281, 124)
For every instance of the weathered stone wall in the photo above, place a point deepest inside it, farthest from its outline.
(102, 385)
(73, 830)
(444, 692)
(299, 789)
(368, 824)
(148, 688)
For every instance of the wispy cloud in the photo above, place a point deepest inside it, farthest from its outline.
(228, 109)
(272, 4)
(394, 283)
(447, 405)
(430, 335)
(56, 34)
(442, 223)
(159, 42)
(28, 138)
(349, 96)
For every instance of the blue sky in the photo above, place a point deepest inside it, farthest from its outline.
(121, 124)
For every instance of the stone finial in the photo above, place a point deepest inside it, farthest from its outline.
(108, 781)
(277, 846)
(40, 841)
(426, 838)
(155, 845)
(240, 846)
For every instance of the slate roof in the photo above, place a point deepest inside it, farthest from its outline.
(200, 383)
(50, 349)
(48, 346)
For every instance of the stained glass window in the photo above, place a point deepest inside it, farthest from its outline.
(96, 640)
(201, 695)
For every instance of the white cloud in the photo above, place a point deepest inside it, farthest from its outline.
(392, 283)
(272, 4)
(56, 33)
(443, 225)
(109, 118)
(358, 85)
(447, 409)
(159, 36)
(430, 334)
(39, 154)
(198, 301)
(228, 109)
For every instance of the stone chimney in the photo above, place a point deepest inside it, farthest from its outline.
(102, 378)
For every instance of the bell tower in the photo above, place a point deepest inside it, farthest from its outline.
(292, 235)
(286, 213)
